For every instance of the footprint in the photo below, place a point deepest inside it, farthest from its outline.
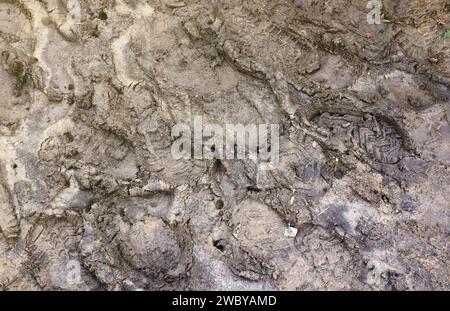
(378, 140)
(55, 28)
(14, 24)
(66, 15)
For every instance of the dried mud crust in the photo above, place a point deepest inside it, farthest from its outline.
(91, 198)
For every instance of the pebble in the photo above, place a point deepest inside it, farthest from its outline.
(290, 232)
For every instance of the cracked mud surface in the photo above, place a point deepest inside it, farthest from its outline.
(91, 89)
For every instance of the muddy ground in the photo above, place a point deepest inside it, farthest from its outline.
(91, 198)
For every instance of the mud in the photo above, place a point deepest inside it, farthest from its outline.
(92, 199)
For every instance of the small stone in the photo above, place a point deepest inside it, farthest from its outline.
(156, 185)
(47, 21)
(408, 206)
(433, 60)
(290, 232)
